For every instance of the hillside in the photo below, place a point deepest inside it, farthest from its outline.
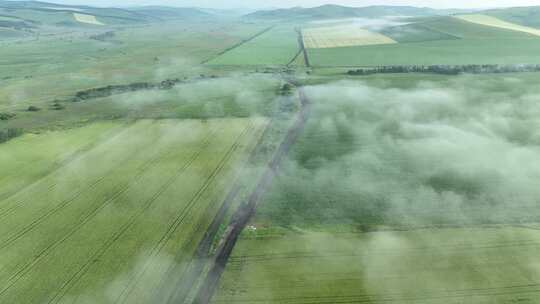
(170, 13)
(29, 15)
(528, 16)
(337, 11)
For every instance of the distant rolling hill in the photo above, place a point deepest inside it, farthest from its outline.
(337, 12)
(171, 13)
(31, 15)
(528, 16)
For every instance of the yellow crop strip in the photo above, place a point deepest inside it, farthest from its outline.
(342, 36)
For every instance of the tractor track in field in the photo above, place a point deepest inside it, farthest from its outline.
(246, 211)
(73, 158)
(43, 253)
(134, 280)
(65, 203)
(66, 286)
(60, 163)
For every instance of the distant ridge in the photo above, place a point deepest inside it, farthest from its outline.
(331, 11)
(29, 15)
(528, 15)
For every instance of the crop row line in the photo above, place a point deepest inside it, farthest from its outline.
(8, 210)
(132, 220)
(67, 202)
(181, 216)
(18, 275)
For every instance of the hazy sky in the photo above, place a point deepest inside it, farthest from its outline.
(289, 3)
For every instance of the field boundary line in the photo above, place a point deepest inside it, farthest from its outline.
(303, 47)
(239, 44)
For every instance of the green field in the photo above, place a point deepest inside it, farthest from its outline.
(277, 46)
(415, 33)
(135, 153)
(470, 265)
(394, 193)
(175, 52)
(477, 44)
(118, 218)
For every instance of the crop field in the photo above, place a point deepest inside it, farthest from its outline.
(274, 46)
(340, 36)
(176, 51)
(118, 214)
(495, 22)
(176, 155)
(411, 33)
(472, 44)
(401, 203)
(84, 18)
(467, 265)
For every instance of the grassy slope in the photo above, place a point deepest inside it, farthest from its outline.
(478, 45)
(427, 266)
(91, 223)
(415, 33)
(179, 47)
(275, 47)
(201, 98)
(528, 16)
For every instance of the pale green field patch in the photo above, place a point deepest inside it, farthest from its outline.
(496, 22)
(435, 266)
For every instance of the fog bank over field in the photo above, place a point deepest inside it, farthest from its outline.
(466, 152)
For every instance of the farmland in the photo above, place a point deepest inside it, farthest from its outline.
(480, 265)
(494, 22)
(175, 52)
(329, 154)
(340, 36)
(273, 46)
(418, 230)
(465, 43)
(98, 193)
(83, 18)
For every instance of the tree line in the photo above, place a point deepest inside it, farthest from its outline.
(124, 88)
(447, 69)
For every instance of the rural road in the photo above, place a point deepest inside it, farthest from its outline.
(245, 212)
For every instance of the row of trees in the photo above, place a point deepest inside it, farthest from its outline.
(137, 86)
(448, 69)
(124, 88)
